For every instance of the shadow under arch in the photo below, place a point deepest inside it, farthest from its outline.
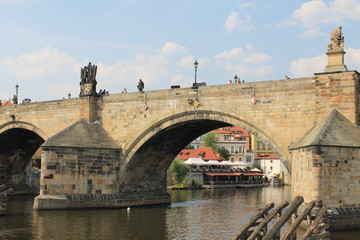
(148, 157)
(18, 143)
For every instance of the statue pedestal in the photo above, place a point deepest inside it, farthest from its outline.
(335, 61)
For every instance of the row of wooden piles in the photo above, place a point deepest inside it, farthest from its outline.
(4, 190)
(313, 215)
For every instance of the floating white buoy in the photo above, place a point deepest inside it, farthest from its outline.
(128, 209)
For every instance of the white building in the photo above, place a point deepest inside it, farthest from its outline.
(271, 165)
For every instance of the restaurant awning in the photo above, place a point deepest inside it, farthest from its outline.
(234, 174)
(223, 174)
(195, 161)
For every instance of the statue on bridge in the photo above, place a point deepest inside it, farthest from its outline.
(88, 80)
(140, 85)
(337, 40)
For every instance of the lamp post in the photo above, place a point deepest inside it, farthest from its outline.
(195, 66)
(236, 79)
(17, 91)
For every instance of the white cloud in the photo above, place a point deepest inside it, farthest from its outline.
(56, 73)
(242, 55)
(317, 12)
(250, 47)
(234, 23)
(66, 88)
(39, 63)
(311, 32)
(232, 54)
(308, 66)
(177, 79)
(257, 58)
(352, 58)
(246, 4)
(245, 63)
(186, 61)
(173, 48)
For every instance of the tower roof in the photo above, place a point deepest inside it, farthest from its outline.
(335, 130)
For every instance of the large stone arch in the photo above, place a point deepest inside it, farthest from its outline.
(150, 154)
(23, 125)
(18, 143)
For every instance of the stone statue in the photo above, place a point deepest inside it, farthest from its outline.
(140, 86)
(337, 40)
(88, 73)
(15, 100)
(88, 80)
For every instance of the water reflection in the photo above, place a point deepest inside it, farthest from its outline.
(198, 214)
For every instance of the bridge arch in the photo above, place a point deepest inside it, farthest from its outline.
(18, 143)
(23, 125)
(150, 154)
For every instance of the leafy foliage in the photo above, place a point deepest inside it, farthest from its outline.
(179, 170)
(210, 140)
(224, 153)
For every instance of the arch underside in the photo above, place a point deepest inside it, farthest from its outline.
(17, 146)
(145, 163)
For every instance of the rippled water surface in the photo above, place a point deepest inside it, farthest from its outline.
(197, 214)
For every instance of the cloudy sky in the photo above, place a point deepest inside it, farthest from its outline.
(45, 43)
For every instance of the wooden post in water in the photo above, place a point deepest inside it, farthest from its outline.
(244, 233)
(3, 199)
(314, 214)
(262, 227)
(284, 218)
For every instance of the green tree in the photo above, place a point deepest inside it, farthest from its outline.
(257, 166)
(224, 153)
(210, 140)
(178, 169)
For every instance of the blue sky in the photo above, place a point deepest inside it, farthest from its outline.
(45, 43)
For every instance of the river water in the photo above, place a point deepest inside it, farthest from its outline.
(193, 214)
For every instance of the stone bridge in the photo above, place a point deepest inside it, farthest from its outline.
(114, 151)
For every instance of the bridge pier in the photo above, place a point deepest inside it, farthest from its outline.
(80, 169)
(326, 166)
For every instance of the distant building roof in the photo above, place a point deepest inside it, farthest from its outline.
(233, 130)
(6, 103)
(270, 156)
(204, 153)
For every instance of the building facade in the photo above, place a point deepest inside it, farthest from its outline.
(271, 165)
(236, 140)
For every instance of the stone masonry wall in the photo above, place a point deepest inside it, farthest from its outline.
(79, 171)
(338, 90)
(330, 174)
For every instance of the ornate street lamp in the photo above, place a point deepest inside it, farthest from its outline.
(236, 78)
(17, 90)
(195, 66)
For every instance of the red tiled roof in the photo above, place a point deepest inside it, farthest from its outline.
(234, 130)
(6, 103)
(268, 156)
(205, 154)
